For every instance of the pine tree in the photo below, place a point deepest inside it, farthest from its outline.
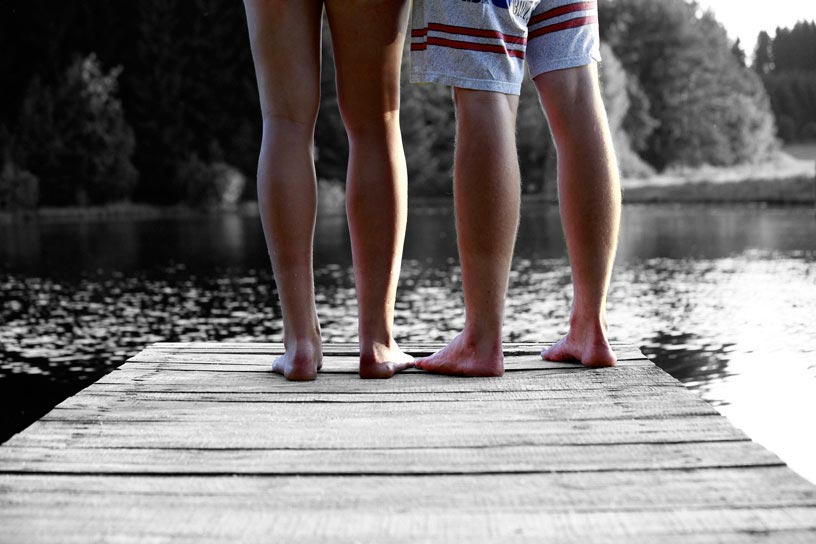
(763, 54)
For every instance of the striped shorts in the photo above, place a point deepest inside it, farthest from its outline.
(482, 44)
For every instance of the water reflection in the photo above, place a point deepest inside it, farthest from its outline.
(721, 297)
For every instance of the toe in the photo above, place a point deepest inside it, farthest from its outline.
(558, 353)
(405, 365)
(277, 366)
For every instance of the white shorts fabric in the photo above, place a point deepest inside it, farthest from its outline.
(482, 44)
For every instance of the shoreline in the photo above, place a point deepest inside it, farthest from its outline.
(758, 186)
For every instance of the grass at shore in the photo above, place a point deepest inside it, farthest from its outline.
(799, 190)
(787, 178)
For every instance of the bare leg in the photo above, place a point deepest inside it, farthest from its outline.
(589, 194)
(368, 40)
(487, 192)
(285, 39)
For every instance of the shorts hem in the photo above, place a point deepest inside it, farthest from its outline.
(562, 64)
(465, 82)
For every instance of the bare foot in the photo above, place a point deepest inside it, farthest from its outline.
(585, 343)
(301, 363)
(466, 357)
(378, 361)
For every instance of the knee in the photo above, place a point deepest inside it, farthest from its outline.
(291, 118)
(366, 124)
(571, 98)
(484, 110)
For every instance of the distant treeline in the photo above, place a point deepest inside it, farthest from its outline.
(787, 64)
(155, 101)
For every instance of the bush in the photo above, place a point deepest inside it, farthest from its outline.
(75, 139)
(208, 185)
(19, 189)
(331, 197)
(618, 89)
(710, 108)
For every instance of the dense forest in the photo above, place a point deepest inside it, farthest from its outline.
(155, 101)
(787, 65)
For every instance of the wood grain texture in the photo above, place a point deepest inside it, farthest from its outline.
(574, 378)
(221, 435)
(241, 459)
(553, 492)
(463, 524)
(672, 403)
(200, 442)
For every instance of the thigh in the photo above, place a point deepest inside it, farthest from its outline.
(368, 38)
(285, 40)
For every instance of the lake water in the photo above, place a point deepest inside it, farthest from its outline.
(723, 298)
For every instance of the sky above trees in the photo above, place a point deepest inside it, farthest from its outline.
(744, 19)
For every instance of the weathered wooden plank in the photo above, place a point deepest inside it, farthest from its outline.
(500, 459)
(181, 524)
(158, 381)
(673, 403)
(114, 395)
(553, 492)
(201, 443)
(339, 434)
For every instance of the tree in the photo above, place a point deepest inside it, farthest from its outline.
(618, 89)
(794, 48)
(428, 125)
(788, 68)
(536, 149)
(75, 138)
(191, 91)
(158, 106)
(793, 98)
(710, 109)
(738, 53)
(331, 142)
(763, 54)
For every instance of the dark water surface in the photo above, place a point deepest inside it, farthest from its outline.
(723, 298)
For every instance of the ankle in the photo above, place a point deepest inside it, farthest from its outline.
(307, 344)
(376, 348)
(481, 341)
(376, 338)
(591, 325)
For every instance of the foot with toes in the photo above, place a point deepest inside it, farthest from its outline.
(466, 356)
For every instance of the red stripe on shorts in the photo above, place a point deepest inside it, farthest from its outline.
(572, 23)
(419, 32)
(563, 10)
(470, 46)
(476, 32)
(419, 46)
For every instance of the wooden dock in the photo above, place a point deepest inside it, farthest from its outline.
(201, 443)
